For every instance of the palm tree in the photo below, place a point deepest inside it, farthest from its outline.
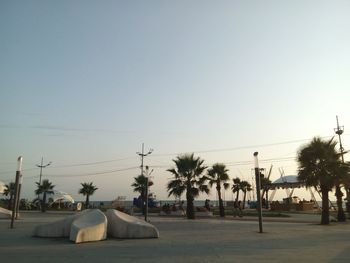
(342, 176)
(236, 187)
(320, 167)
(245, 187)
(140, 185)
(218, 175)
(188, 177)
(87, 190)
(46, 187)
(265, 182)
(10, 192)
(346, 183)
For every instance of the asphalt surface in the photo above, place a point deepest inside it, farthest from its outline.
(296, 239)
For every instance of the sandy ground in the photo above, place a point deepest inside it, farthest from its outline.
(296, 239)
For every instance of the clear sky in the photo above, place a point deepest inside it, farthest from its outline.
(85, 83)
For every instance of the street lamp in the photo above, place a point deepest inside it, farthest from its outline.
(258, 186)
(18, 182)
(142, 155)
(19, 168)
(41, 166)
(147, 178)
(339, 131)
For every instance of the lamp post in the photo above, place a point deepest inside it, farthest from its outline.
(17, 189)
(20, 180)
(257, 182)
(339, 131)
(147, 180)
(142, 155)
(41, 166)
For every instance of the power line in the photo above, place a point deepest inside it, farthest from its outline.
(93, 173)
(239, 163)
(92, 163)
(73, 165)
(239, 147)
(172, 154)
(12, 171)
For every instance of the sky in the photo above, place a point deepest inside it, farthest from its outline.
(84, 83)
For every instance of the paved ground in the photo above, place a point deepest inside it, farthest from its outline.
(203, 240)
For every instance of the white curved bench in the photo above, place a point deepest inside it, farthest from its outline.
(60, 228)
(121, 225)
(90, 226)
(5, 214)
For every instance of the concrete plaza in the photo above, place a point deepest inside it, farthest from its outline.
(296, 239)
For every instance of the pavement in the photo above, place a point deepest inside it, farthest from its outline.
(298, 238)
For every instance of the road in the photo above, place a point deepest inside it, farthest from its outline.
(182, 240)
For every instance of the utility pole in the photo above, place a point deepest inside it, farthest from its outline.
(339, 131)
(147, 180)
(17, 192)
(257, 181)
(142, 155)
(20, 180)
(41, 166)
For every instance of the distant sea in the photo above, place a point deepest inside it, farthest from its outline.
(129, 203)
(199, 203)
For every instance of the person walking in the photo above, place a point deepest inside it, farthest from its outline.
(235, 208)
(240, 212)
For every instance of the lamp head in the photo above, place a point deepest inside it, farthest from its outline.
(256, 163)
(19, 163)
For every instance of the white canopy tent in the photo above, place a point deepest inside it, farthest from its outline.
(287, 182)
(287, 179)
(2, 187)
(58, 196)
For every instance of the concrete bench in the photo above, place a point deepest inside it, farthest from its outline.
(60, 228)
(90, 226)
(5, 214)
(121, 225)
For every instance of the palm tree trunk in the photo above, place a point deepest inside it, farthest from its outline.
(87, 201)
(221, 204)
(267, 199)
(190, 206)
(43, 205)
(143, 201)
(237, 196)
(244, 197)
(339, 195)
(325, 207)
(348, 199)
(10, 202)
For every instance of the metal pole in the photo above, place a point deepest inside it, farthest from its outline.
(339, 131)
(257, 182)
(146, 210)
(41, 166)
(142, 154)
(14, 205)
(41, 169)
(19, 194)
(143, 202)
